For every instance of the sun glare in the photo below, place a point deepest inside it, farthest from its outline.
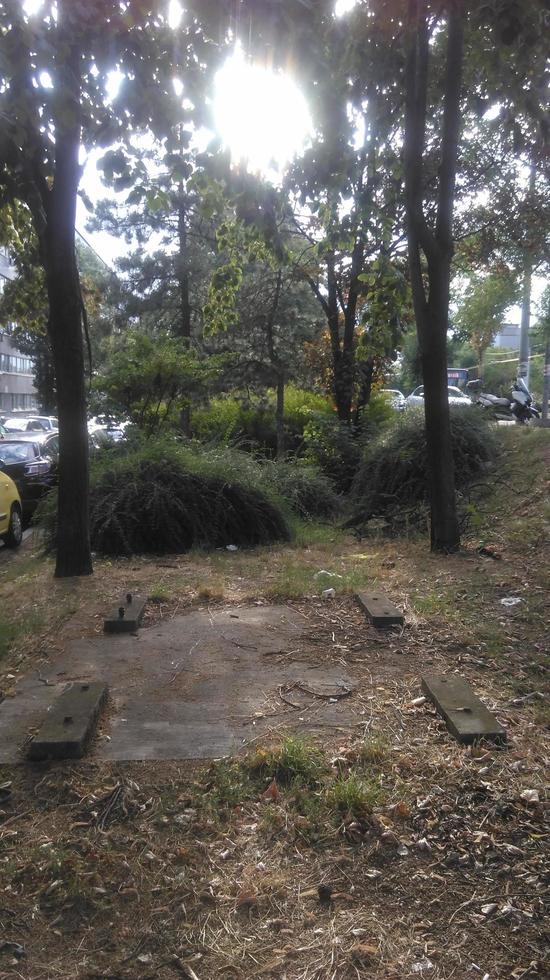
(260, 115)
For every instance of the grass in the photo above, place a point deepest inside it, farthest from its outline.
(374, 751)
(354, 795)
(8, 634)
(159, 594)
(292, 761)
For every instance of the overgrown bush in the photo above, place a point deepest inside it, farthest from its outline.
(154, 496)
(334, 448)
(393, 476)
(144, 506)
(309, 493)
(304, 490)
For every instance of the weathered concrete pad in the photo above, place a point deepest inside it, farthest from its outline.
(70, 723)
(197, 686)
(465, 715)
(127, 616)
(379, 609)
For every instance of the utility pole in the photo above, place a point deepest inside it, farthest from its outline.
(523, 369)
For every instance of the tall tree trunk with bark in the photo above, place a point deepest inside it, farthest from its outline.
(65, 320)
(523, 367)
(431, 299)
(277, 366)
(280, 415)
(184, 303)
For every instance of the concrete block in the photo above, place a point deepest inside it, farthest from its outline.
(127, 616)
(465, 715)
(70, 722)
(379, 609)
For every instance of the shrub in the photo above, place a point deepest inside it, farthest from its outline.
(144, 506)
(334, 448)
(252, 423)
(309, 493)
(393, 476)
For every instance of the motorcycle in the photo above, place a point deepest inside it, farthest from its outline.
(518, 407)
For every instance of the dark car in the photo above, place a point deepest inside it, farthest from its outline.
(31, 462)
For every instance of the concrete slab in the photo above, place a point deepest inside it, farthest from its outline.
(465, 715)
(379, 609)
(195, 686)
(127, 616)
(69, 723)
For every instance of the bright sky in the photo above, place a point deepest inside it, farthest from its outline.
(260, 115)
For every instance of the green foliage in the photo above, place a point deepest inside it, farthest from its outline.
(374, 751)
(239, 245)
(151, 380)
(251, 423)
(482, 307)
(393, 475)
(333, 447)
(309, 493)
(387, 310)
(300, 487)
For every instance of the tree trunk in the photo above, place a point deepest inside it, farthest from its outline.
(65, 317)
(432, 309)
(280, 416)
(432, 332)
(366, 371)
(183, 276)
(546, 383)
(523, 367)
(184, 304)
(44, 377)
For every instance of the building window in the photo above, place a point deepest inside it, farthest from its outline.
(14, 364)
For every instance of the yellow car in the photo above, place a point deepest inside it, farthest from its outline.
(11, 523)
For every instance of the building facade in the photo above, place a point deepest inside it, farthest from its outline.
(508, 336)
(17, 391)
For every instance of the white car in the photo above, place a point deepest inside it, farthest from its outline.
(456, 397)
(395, 398)
(34, 423)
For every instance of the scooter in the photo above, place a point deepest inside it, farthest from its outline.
(519, 406)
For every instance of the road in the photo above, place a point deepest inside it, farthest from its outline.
(7, 553)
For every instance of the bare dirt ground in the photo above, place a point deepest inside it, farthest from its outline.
(382, 850)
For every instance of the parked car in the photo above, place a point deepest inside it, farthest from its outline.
(31, 462)
(102, 429)
(456, 397)
(3, 431)
(11, 512)
(33, 423)
(395, 397)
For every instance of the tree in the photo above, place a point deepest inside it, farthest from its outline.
(347, 186)
(482, 307)
(150, 380)
(164, 205)
(53, 82)
(275, 316)
(433, 239)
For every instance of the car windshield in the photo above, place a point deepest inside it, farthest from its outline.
(16, 425)
(456, 392)
(16, 452)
